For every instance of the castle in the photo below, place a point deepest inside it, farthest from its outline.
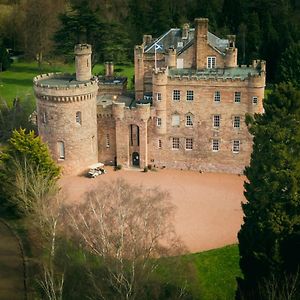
(188, 112)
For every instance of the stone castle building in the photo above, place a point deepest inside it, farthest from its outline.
(188, 112)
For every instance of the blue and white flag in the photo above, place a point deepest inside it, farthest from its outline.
(158, 47)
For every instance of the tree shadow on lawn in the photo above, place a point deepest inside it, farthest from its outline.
(18, 82)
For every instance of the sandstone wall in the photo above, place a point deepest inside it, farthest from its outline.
(57, 108)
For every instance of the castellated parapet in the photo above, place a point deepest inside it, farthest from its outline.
(67, 119)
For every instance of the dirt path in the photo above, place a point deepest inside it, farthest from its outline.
(11, 266)
(208, 205)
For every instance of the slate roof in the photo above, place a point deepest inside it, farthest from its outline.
(173, 39)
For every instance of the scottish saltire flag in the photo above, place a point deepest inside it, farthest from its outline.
(158, 47)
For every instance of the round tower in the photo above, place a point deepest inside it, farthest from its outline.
(67, 115)
(83, 53)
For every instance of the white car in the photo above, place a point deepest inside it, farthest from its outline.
(95, 170)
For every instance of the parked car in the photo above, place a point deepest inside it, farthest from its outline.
(96, 169)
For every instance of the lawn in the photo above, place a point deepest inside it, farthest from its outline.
(17, 81)
(217, 270)
(210, 275)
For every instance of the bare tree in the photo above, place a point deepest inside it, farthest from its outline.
(40, 200)
(127, 227)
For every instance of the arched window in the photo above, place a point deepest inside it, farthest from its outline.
(61, 149)
(78, 117)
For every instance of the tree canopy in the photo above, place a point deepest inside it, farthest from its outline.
(23, 150)
(264, 28)
(269, 239)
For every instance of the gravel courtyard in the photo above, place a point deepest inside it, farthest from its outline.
(208, 213)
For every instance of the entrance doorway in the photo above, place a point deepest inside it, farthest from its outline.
(135, 159)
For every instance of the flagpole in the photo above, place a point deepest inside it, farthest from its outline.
(155, 63)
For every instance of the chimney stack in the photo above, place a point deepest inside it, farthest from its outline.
(109, 69)
(200, 41)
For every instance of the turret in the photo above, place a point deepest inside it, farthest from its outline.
(171, 58)
(83, 63)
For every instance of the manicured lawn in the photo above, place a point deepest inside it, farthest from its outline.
(209, 275)
(217, 270)
(17, 81)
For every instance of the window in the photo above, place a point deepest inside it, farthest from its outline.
(159, 144)
(211, 62)
(189, 120)
(216, 121)
(61, 150)
(78, 117)
(158, 122)
(158, 96)
(175, 120)
(107, 142)
(237, 97)
(189, 95)
(44, 118)
(217, 96)
(215, 145)
(175, 143)
(236, 146)
(189, 144)
(180, 44)
(236, 122)
(254, 100)
(176, 95)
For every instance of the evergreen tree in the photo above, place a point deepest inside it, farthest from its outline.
(23, 149)
(290, 65)
(269, 239)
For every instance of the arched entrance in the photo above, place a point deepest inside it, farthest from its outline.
(135, 159)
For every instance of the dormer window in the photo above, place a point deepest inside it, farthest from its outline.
(179, 44)
(211, 62)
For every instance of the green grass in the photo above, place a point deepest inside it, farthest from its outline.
(17, 81)
(217, 270)
(210, 275)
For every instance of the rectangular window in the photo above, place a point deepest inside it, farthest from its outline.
(158, 122)
(189, 144)
(236, 122)
(211, 62)
(216, 121)
(78, 117)
(176, 95)
(107, 141)
(254, 100)
(236, 146)
(159, 144)
(175, 143)
(61, 150)
(158, 96)
(175, 120)
(237, 97)
(189, 120)
(189, 95)
(215, 145)
(44, 118)
(217, 96)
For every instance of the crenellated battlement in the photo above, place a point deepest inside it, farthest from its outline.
(82, 49)
(61, 81)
